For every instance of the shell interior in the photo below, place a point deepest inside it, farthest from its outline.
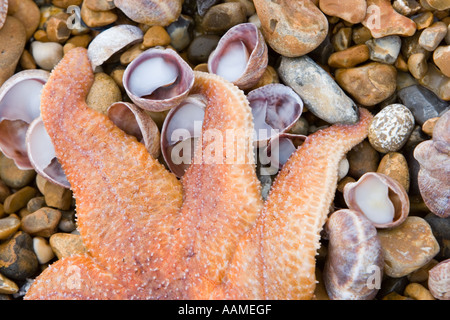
(233, 61)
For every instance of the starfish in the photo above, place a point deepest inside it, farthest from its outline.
(208, 236)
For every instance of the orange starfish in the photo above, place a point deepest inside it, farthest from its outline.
(149, 237)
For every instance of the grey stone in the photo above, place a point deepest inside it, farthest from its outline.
(180, 32)
(201, 47)
(384, 49)
(441, 231)
(320, 93)
(423, 103)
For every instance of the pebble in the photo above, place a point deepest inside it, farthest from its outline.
(204, 5)
(394, 165)
(67, 222)
(362, 158)
(269, 76)
(428, 126)
(57, 197)
(156, 36)
(99, 5)
(221, 17)
(384, 49)
(422, 102)
(417, 65)
(421, 274)
(441, 231)
(96, 19)
(35, 204)
(407, 247)
(417, 291)
(352, 11)
(66, 3)
(368, 84)
(7, 286)
(27, 61)
(19, 199)
(131, 53)
(43, 222)
(342, 39)
(433, 35)
(46, 54)
(438, 4)
(350, 57)
(320, 93)
(392, 285)
(437, 82)
(441, 58)
(28, 13)
(395, 296)
(406, 7)
(66, 244)
(322, 53)
(4, 191)
(391, 128)
(382, 20)
(12, 176)
(201, 47)
(180, 32)
(12, 42)
(424, 20)
(42, 249)
(361, 35)
(8, 226)
(17, 259)
(410, 45)
(103, 93)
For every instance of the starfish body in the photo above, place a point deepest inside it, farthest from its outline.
(210, 236)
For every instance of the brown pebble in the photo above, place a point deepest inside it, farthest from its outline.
(19, 199)
(350, 57)
(9, 226)
(395, 296)
(223, 16)
(56, 28)
(130, 54)
(7, 286)
(362, 158)
(394, 165)
(269, 76)
(342, 39)
(35, 204)
(12, 176)
(421, 275)
(341, 184)
(12, 43)
(42, 223)
(99, 5)
(417, 65)
(428, 126)
(433, 35)
(401, 64)
(66, 3)
(4, 191)
(417, 291)
(423, 20)
(66, 244)
(117, 76)
(41, 35)
(95, 19)
(201, 67)
(361, 35)
(29, 15)
(57, 197)
(156, 36)
(104, 92)
(27, 61)
(441, 58)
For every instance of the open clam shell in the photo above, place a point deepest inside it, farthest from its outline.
(158, 79)
(241, 56)
(275, 109)
(136, 122)
(180, 132)
(42, 154)
(380, 198)
(20, 98)
(111, 42)
(279, 150)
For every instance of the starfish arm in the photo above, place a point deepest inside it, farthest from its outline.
(284, 240)
(75, 278)
(222, 193)
(126, 200)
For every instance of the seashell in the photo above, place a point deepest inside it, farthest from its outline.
(275, 109)
(158, 79)
(354, 266)
(19, 105)
(136, 122)
(180, 133)
(434, 160)
(110, 43)
(42, 154)
(278, 151)
(151, 12)
(3, 11)
(380, 198)
(439, 280)
(241, 56)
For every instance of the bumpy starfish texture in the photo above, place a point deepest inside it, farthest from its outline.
(149, 237)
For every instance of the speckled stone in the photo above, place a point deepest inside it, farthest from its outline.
(407, 247)
(423, 103)
(320, 93)
(17, 259)
(12, 176)
(42, 223)
(391, 128)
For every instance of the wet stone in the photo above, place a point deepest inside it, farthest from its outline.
(424, 20)
(43, 222)
(8, 226)
(417, 65)
(17, 259)
(362, 158)
(384, 49)
(441, 58)
(418, 292)
(423, 103)
(7, 286)
(12, 176)
(35, 204)
(222, 17)
(433, 35)
(156, 36)
(350, 57)
(66, 244)
(407, 247)
(320, 93)
(391, 128)
(67, 222)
